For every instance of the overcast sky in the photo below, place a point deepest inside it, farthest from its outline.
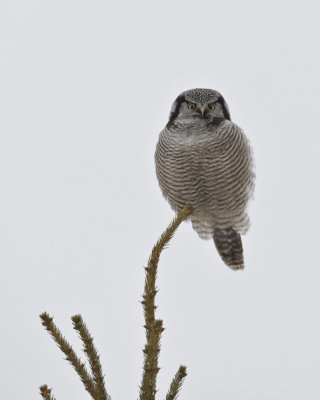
(85, 88)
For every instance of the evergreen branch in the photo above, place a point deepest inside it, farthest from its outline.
(154, 327)
(92, 356)
(46, 393)
(150, 368)
(176, 383)
(71, 356)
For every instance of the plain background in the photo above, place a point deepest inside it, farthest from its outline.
(86, 87)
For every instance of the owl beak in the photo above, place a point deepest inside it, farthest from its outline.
(202, 109)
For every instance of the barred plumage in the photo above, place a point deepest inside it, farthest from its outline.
(205, 161)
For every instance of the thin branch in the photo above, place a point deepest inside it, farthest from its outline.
(95, 384)
(46, 393)
(93, 357)
(176, 383)
(154, 327)
(71, 356)
(150, 368)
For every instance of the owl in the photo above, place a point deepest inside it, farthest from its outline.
(204, 160)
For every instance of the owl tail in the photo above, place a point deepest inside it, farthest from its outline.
(229, 245)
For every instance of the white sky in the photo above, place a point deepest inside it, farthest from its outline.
(86, 87)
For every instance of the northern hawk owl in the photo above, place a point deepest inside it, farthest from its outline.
(204, 160)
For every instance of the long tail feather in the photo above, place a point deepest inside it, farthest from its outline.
(229, 245)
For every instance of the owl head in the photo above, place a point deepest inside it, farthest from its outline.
(195, 105)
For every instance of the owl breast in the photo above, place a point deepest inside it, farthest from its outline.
(209, 168)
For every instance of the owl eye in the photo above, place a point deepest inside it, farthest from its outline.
(211, 106)
(191, 106)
